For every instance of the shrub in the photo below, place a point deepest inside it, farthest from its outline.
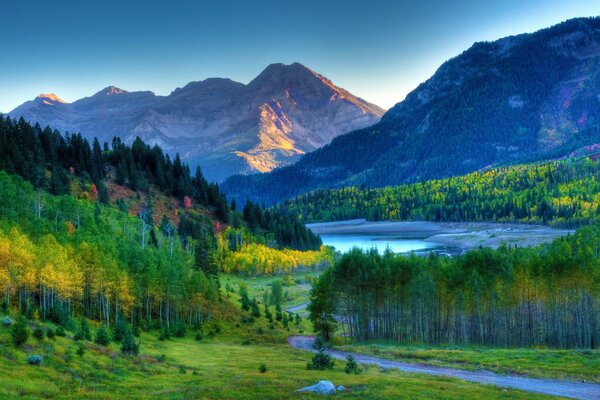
(60, 331)
(321, 343)
(121, 329)
(34, 359)
(84, 332)
(164, 334)
(320, 361)
(351, 366)
(198, 336)
(39, 333)
(20, 331)
(61, 316)
(255, 309)
(179, 329)
(263, 368)
(80, 350)
(102, 336)
(128, 345)
(50, 333)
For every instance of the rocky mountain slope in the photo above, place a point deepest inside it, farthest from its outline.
(521, 98)
(224, 126)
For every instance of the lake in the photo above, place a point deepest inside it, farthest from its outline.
(422, 236)
(345, 242)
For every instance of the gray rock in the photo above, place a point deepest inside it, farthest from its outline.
(340, 388)
(323, 387)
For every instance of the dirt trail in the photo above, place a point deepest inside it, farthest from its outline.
(577, 390)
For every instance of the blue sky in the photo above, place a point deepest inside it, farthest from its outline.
(378, 50)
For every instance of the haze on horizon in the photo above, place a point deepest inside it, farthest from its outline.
(379, 50)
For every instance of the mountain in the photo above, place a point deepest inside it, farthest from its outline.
(223, 126)
(521, 98)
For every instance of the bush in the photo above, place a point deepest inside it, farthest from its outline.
(80, 350)
(320, 361)
(263, 368)
(61, 316)
(50, 333)
(121, 329)
(128, 345)
(321, 343)
(351, 366)
(20, 331)
(60, 331)
(165, 334)
(84, 332)
(102, 336)
(39, 333)
(198, 336)
(179, 329)
(34, 359)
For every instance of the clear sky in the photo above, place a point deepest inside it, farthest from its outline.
(379, 50)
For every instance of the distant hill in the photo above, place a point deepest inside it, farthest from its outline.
(223, 126)
(521, 98)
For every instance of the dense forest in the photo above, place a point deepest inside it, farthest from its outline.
(512, 297)
(562, 193)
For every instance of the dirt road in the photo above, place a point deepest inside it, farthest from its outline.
(576, 390)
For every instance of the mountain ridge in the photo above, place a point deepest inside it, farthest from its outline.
(226, 127)
(524, 97)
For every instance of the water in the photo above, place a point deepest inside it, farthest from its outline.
(345, 242)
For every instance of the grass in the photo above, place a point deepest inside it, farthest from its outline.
(224, 367)
(536, 362)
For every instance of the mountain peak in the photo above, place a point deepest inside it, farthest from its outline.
(111, 91)
(50, 99)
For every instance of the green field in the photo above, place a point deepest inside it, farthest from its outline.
(224, 367)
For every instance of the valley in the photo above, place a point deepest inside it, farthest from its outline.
(279, 237)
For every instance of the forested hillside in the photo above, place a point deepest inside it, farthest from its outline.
(74, 252)
(521, 98)
(510, 297)
(50, 162)
(561, 193)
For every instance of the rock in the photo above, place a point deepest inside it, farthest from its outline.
(7, 322)
(323, 387)
(340, 388)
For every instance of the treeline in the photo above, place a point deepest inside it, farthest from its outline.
(256, 259)
(50, 161)
(61, 256)
(280, 226)
(561, 193)
(542, 296)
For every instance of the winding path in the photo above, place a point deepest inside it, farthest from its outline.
(577, 390)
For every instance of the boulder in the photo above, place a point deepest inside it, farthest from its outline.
(323, 387)
(340, 388)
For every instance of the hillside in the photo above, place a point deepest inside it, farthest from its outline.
(561, 193)
(225, 127)
(520, 98)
